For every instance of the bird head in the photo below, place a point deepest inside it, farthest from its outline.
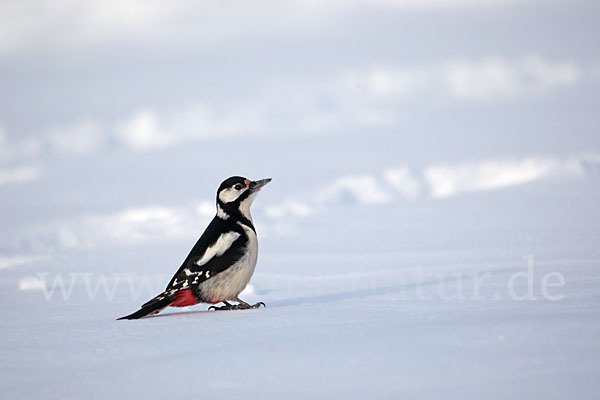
(236, 194)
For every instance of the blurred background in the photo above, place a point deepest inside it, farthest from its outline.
(118, 119)
(451, 135)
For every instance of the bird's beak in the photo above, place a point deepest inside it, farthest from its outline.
(255, 186)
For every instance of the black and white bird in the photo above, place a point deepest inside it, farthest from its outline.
(222, 262)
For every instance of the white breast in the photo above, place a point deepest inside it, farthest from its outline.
(228, 284)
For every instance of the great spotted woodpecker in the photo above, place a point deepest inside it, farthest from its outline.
(222, 262)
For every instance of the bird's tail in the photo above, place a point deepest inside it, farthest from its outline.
(153, 306)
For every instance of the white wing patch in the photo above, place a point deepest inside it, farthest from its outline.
(222, 244)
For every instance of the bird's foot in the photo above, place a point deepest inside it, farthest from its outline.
(242, 306)
(226, 307)
(245, 306)
(257, 305)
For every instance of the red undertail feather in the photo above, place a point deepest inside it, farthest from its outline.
(184, 298)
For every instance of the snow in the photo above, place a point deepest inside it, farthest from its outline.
(431, 230)
(378, 305)
(31, 283)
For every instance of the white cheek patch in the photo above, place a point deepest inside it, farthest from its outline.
(219, 247)
(229, 195)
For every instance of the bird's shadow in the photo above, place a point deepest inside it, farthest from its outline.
(320, 299)
(350, 294)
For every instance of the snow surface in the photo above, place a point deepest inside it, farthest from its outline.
(432, 228)
(361, 301)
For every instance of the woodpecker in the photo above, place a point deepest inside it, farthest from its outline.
(222, 261)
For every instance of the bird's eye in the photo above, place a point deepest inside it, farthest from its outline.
(238, 187)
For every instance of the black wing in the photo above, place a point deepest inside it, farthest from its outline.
(221, 245)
